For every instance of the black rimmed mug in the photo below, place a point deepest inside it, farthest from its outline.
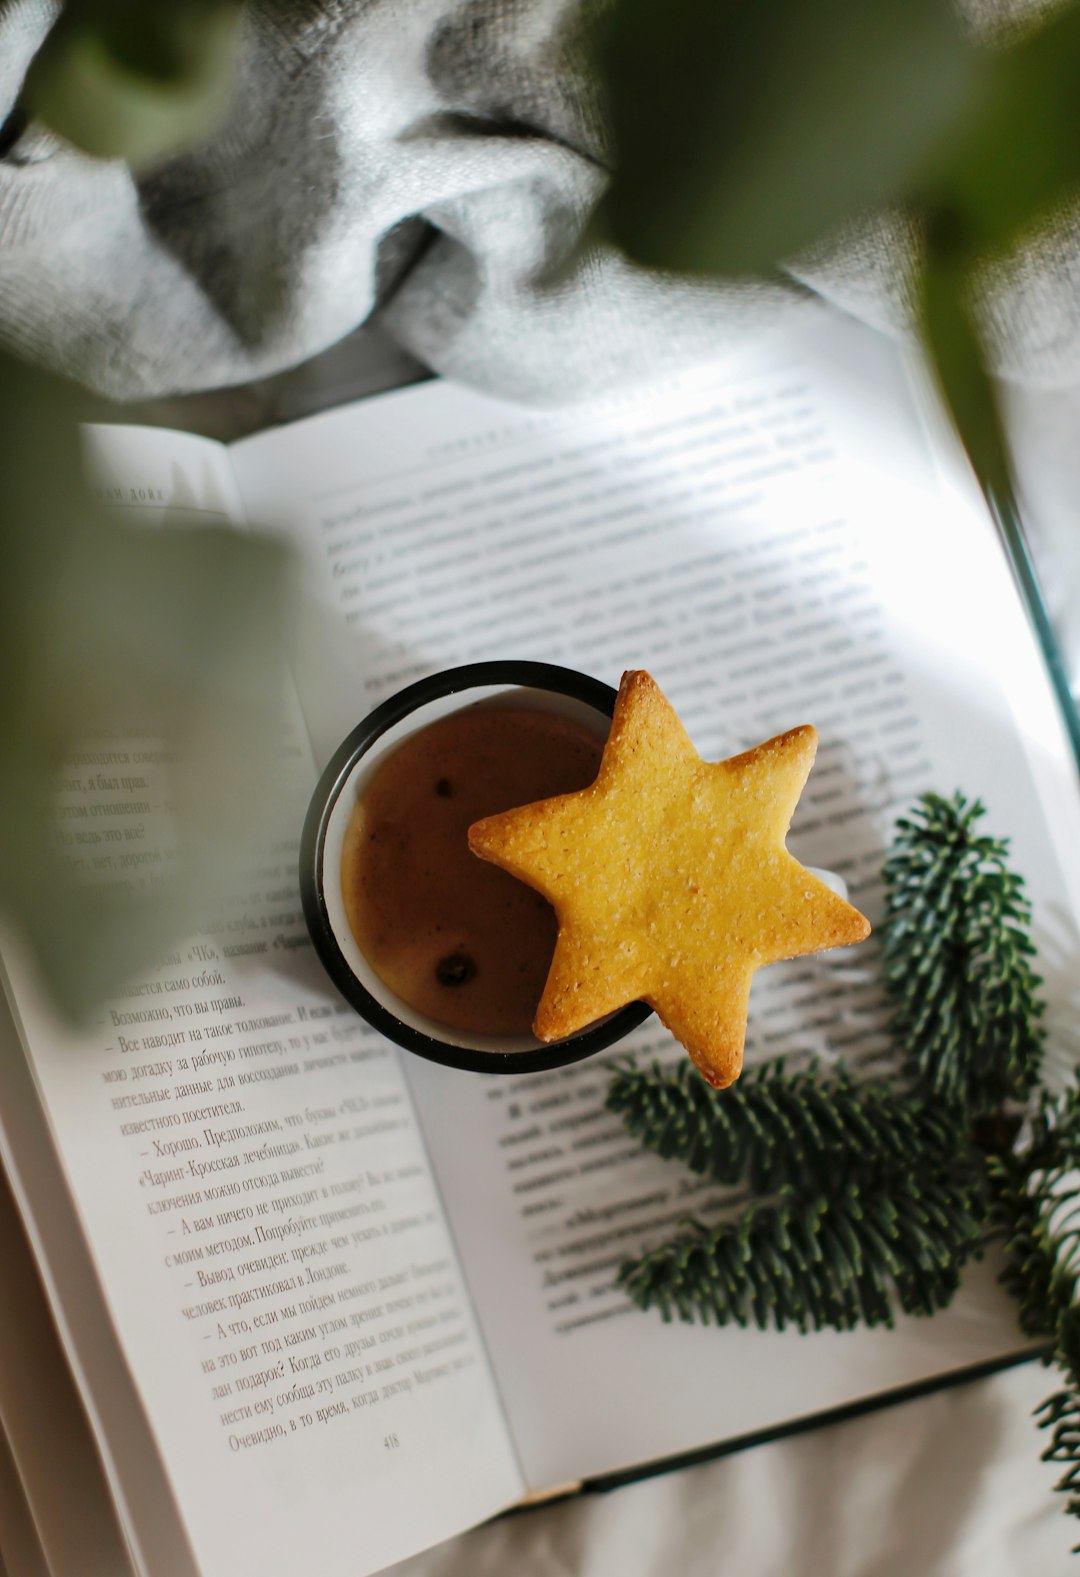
(545, 686)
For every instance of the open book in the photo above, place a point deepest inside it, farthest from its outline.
(326, 1304)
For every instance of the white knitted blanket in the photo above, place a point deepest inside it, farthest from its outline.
(434, 161)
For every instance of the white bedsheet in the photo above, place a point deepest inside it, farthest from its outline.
(947, 1486)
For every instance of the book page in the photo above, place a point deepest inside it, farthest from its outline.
(146, 1516)
(255, 1192)
(768, 538)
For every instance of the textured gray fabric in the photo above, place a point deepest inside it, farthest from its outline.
(435, 160)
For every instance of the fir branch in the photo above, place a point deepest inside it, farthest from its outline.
(834, 1261)
(1060, 1414)
(1036, 1205)
(776, 1128)
(957, 958)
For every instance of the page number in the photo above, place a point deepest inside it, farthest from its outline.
(391, 1442)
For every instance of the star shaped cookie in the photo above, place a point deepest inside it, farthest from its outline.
(670, 880)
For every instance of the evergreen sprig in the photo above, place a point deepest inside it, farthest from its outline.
(834, 1260)
(777, 1128)
(1036, 1207)
(957, 956)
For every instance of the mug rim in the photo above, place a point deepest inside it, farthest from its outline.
(514, 673)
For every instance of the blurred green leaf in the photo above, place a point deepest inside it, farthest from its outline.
(746, 131)
(107, 630)
(1017, 152)
(957, 360)
(135, 79)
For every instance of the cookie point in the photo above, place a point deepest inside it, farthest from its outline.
(478, 837)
